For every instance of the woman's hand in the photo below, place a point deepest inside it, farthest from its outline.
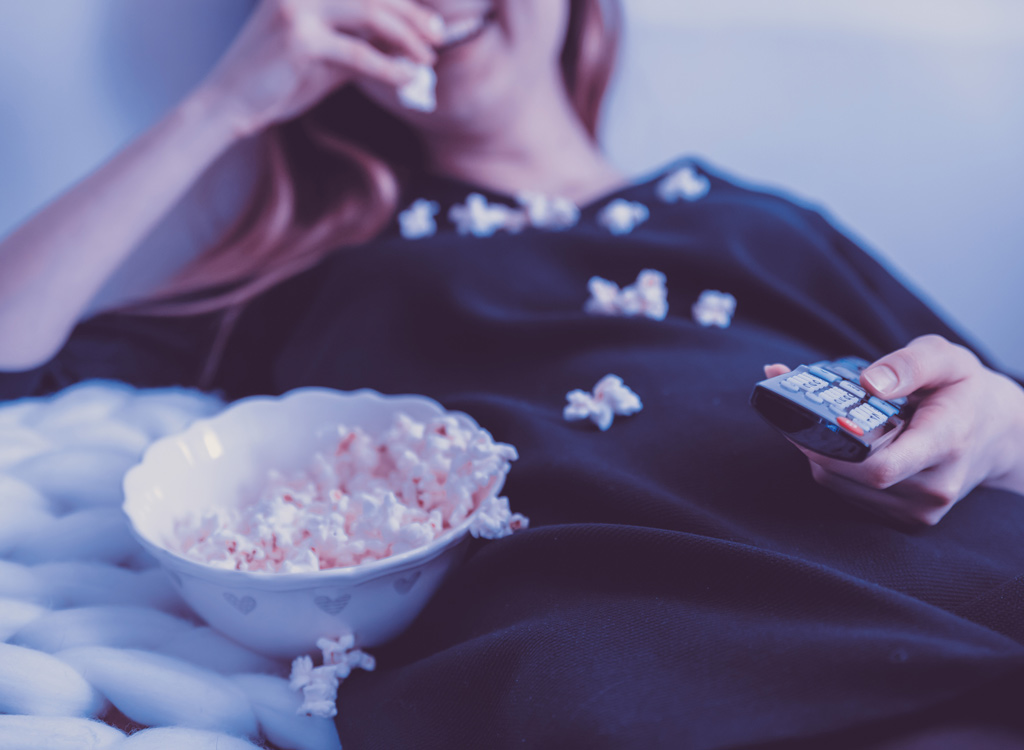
(967, 430)
(289, 56)
(293, 53)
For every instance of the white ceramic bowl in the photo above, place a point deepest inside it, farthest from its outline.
(223, 461)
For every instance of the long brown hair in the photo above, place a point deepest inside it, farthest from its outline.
(332, 178)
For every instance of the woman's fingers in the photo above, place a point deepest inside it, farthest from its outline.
(398, 27)
(925, 363)
(401, 37)
(393, 26)
(935, 435)
(427, 22)
(913, 503)
(292, 53)
(352, 53)
(967, 430)
(773, 371)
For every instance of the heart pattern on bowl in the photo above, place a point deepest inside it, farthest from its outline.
(244, 604)
(332, 606)
(404, 585)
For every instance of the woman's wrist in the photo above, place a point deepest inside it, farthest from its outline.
(1008, 473)
(218, 120)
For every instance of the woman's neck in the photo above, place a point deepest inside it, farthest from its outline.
(543, 148)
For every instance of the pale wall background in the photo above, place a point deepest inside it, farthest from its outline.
(904, 118)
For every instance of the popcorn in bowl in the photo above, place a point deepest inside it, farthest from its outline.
(388, 507)
(368, 500)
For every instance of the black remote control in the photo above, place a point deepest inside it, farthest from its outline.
(823, 408)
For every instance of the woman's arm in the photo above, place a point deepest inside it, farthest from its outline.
(53, 265)
(289, 56)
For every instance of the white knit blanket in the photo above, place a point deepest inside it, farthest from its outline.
(90, 628)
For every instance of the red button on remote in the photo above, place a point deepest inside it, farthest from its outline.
(846, 424)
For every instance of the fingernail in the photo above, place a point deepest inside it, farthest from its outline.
(437, 25)
(882, 379)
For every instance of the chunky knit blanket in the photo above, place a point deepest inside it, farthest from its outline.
(96, 648)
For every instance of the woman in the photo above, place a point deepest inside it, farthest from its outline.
(686, 582)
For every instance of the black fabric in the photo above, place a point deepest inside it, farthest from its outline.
(145, 351)
(684, 582)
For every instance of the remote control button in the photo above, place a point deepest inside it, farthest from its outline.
(838, 408)
(807, 381)
(849, 426)
(856, 364)
(839, 399)
(790, 384)
(829, 377)
(834, 394)
(845, 372)
(868, 416)
(901, 401)
(853, 388)
(884, 406)
(812, 396)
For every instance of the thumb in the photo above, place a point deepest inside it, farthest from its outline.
(926, 362)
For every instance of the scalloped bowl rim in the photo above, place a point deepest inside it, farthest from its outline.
(360, 573)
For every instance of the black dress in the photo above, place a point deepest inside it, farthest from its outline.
(684, 583)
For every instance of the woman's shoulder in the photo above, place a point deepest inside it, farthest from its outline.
(690, 179)
(691, 192)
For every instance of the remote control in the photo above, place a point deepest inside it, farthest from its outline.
(823, 408)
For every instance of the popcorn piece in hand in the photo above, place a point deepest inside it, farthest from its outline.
(417, 221)
(647, 296)
(610, 397)
(714, 309)
(548, 213)
(482, 219)
(687, 184)
(419, 93)
(622, 216)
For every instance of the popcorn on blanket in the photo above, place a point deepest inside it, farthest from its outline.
(714, 308)
(319, 685)
(610, 397)
(622, 216)
(480, 218)
(417, 221)
(545, 212)
(686, 184)
(647, 296)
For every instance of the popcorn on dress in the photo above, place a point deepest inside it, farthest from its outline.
(683, 575)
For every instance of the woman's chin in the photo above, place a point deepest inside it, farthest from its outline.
(471, 110)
